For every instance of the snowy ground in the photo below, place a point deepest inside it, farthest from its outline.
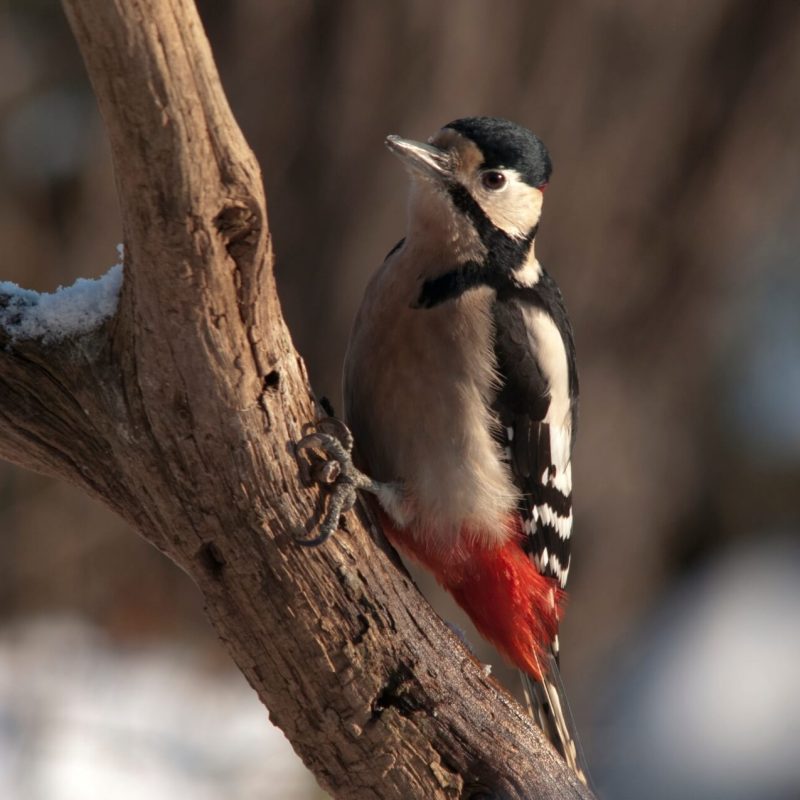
(82, 719)
(707, 706)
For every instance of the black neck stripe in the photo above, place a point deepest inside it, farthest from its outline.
(471, 275)
(467, 204)
(452, 284)
(503, 252)
(504, 255)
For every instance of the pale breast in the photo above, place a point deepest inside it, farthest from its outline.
(418, 384)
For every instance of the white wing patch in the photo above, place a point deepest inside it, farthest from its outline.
(540, 448)
(556, 477)
(548, 345)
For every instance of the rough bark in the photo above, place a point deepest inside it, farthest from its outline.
(181, 412)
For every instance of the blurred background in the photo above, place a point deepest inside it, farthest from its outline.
(671, 223)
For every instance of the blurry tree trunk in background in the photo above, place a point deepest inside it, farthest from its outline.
(180, 413)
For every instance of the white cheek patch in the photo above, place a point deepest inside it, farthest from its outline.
(516, 209)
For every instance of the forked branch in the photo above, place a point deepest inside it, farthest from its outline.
(180, 410)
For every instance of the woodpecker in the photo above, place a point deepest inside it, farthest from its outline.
(461, 392)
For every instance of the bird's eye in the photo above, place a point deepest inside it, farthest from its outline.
(493, 180)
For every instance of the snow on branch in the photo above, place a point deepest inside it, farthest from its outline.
(69, 311)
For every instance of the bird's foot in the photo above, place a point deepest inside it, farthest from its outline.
(337, 472)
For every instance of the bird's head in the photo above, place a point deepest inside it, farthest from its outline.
(479, 176)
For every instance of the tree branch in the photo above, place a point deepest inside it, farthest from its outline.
(180, 412)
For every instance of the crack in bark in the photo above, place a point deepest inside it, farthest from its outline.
(400, 692)
(212, 559)
(239, 224)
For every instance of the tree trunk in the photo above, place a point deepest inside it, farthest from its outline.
(180, 412)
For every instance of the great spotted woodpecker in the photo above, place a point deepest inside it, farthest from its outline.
(461, 391)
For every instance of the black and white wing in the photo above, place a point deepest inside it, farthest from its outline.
(536, 406)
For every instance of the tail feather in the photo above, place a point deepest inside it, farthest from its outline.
(548, 705)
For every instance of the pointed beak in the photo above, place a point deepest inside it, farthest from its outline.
(422, 158)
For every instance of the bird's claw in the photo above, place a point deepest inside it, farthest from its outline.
(327, 472)
(338, 472)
